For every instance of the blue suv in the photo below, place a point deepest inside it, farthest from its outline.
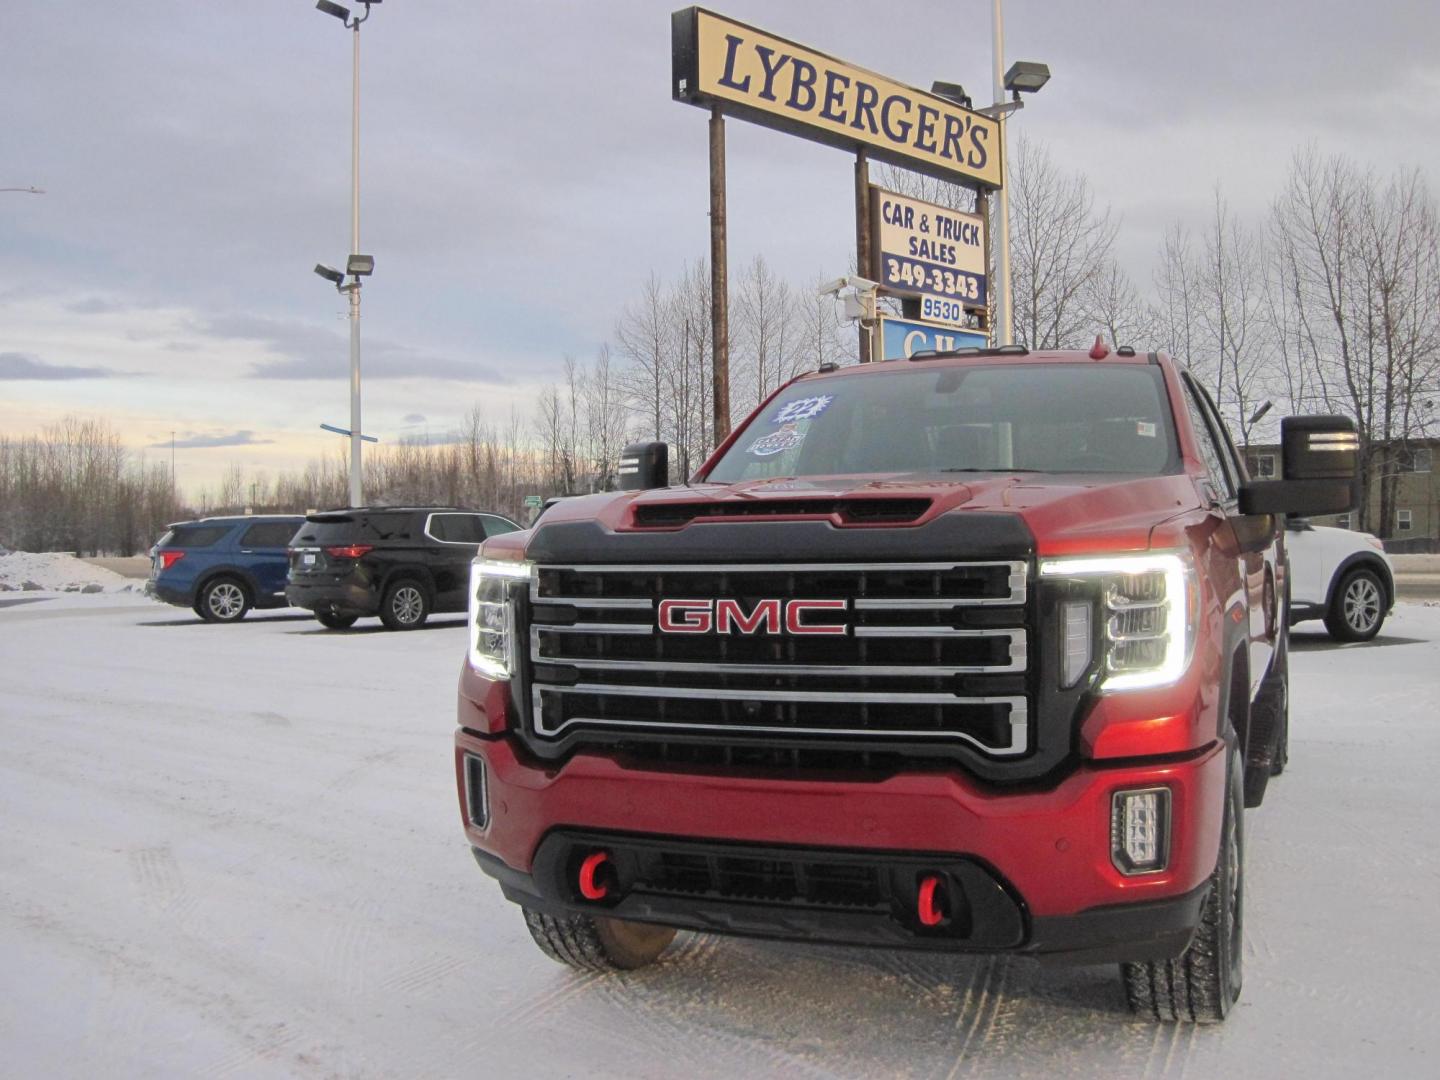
(223, 566)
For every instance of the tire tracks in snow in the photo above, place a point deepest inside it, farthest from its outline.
(979, 1009)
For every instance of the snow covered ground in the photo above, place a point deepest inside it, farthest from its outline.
(57, 571)
(235, 851)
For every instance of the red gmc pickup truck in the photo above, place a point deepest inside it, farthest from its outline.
(979, 651)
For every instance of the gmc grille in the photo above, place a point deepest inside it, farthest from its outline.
(933, 654)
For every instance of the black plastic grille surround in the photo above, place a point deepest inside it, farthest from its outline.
(951, 651)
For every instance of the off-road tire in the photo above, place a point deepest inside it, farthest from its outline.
(1203, 983)
(1357, 608)
(331, 621)
(596, 943)
(223, 600)
(406, 604)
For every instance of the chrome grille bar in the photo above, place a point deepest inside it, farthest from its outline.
(1018, 716)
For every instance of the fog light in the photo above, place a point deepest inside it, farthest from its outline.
(1140, 830)
(477, 793)
(1077, 643)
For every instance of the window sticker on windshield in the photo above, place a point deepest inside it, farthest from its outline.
(787, 438)
(1144, 427)
(803, 409)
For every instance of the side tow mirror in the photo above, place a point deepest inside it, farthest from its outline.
(645, 465)
(1320, 458)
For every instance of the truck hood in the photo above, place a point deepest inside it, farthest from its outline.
(1066, 514)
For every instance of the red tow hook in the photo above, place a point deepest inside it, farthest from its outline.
(932, 896)
(590, 887)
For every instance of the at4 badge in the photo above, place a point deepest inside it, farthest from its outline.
(787, 438)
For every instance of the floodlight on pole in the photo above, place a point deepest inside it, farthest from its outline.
(1026, 77)
(951, 92)
(330, 274)
(360, 265)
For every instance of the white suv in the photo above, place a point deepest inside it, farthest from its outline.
(1340, 576)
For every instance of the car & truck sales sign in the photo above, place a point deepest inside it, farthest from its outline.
(928, 251)
(768, 80)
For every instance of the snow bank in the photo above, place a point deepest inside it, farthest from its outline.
(57, 571)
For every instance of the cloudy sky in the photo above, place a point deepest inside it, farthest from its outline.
(524, 170)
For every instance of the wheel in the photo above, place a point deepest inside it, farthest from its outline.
(595, 943)
(223, 600)
(406, 605)
(332, 621)
(1357, 610)
(1203, 983)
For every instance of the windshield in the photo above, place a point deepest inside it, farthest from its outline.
(1005, 418)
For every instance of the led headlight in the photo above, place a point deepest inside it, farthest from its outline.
(492, 616)
(1147, 612)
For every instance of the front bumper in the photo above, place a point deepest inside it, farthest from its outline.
(1046, 851)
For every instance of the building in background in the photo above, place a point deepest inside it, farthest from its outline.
(1415, 520)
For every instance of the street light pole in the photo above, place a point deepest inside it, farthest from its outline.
(1004, 318)
(357, 265)
(355, 429)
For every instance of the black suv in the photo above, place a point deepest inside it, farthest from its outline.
(398, 562)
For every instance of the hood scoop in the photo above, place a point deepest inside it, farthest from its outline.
(848, 511)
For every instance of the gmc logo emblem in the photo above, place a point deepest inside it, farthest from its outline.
(767, 616)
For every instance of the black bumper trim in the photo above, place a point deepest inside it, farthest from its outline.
(996, 923)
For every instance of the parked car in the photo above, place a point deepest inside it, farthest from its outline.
(401, 563)
(1340, 576)
(223, 566)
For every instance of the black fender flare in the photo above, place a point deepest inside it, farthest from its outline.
(1370, 562)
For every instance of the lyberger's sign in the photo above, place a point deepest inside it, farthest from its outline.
(775, 82)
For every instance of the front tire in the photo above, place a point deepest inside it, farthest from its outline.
(1203, 983)
(1357, 610)
(597, 943)
(223, 600)
(406, 605)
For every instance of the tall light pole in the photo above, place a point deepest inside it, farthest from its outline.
(1004, 320)
(1024, 77)
(365, 264)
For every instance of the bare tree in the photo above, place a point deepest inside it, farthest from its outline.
(1116, 309)
(1059, 244)
(1361, 283)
